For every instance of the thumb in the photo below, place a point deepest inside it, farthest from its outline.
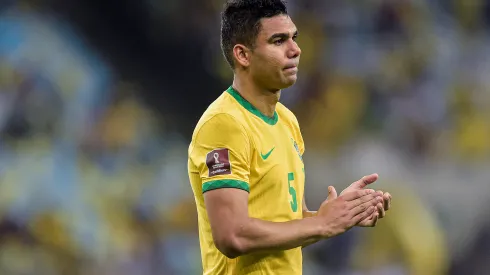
(365, 181)
(332, 193)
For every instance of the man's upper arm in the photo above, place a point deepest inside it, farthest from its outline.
(221, 152)
(227, 210)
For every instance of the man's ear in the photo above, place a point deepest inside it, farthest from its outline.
(242, 55)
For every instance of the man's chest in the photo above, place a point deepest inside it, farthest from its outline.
(277, 172)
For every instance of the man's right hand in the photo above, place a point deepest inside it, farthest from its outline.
(339, 214)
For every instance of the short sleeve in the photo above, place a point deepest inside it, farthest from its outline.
(298, 136)
(301, 143)
(221, 154)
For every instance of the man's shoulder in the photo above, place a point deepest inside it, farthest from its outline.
(222, 113)
(286, 114)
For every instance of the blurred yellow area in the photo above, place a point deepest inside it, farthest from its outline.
(409, 236)
(335, 115)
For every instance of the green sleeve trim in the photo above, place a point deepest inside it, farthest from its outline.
(217, 184)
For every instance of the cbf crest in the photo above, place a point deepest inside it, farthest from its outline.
(297, 149)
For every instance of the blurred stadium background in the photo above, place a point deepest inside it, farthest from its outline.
(98, 100)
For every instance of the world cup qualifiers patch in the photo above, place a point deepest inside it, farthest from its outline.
(218, 162)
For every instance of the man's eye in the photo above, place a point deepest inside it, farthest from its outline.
(278, 42)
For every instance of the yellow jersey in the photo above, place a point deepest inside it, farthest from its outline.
(236, 146)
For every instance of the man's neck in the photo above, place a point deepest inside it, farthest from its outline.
(265, 101)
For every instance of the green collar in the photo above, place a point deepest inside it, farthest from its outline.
(269, 120)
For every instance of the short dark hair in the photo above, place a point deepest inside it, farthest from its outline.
(240, 22)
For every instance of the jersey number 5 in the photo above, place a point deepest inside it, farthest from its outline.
(293, 202)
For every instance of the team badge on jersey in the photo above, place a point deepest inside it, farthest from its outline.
(297, 149)
(218, 162)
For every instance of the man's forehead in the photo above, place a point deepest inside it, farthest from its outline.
(276, 24)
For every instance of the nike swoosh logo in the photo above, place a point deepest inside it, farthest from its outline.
(264, 157)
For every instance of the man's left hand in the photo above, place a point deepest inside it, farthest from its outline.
(382, 207)
(381, 213)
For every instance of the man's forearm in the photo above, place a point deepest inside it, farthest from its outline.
(309, 214)
(259, 235)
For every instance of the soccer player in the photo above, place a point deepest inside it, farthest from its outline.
(245, 158)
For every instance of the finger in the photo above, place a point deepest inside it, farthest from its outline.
(365, 181)
(387, 201)
(332, 193)
(371, 199)
(366, 222)
(375, 220)
(371, 221)
(363, 215)
(354, 195)
(363, 207)
(381, 210)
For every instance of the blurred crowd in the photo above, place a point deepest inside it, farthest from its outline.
(98, 101)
